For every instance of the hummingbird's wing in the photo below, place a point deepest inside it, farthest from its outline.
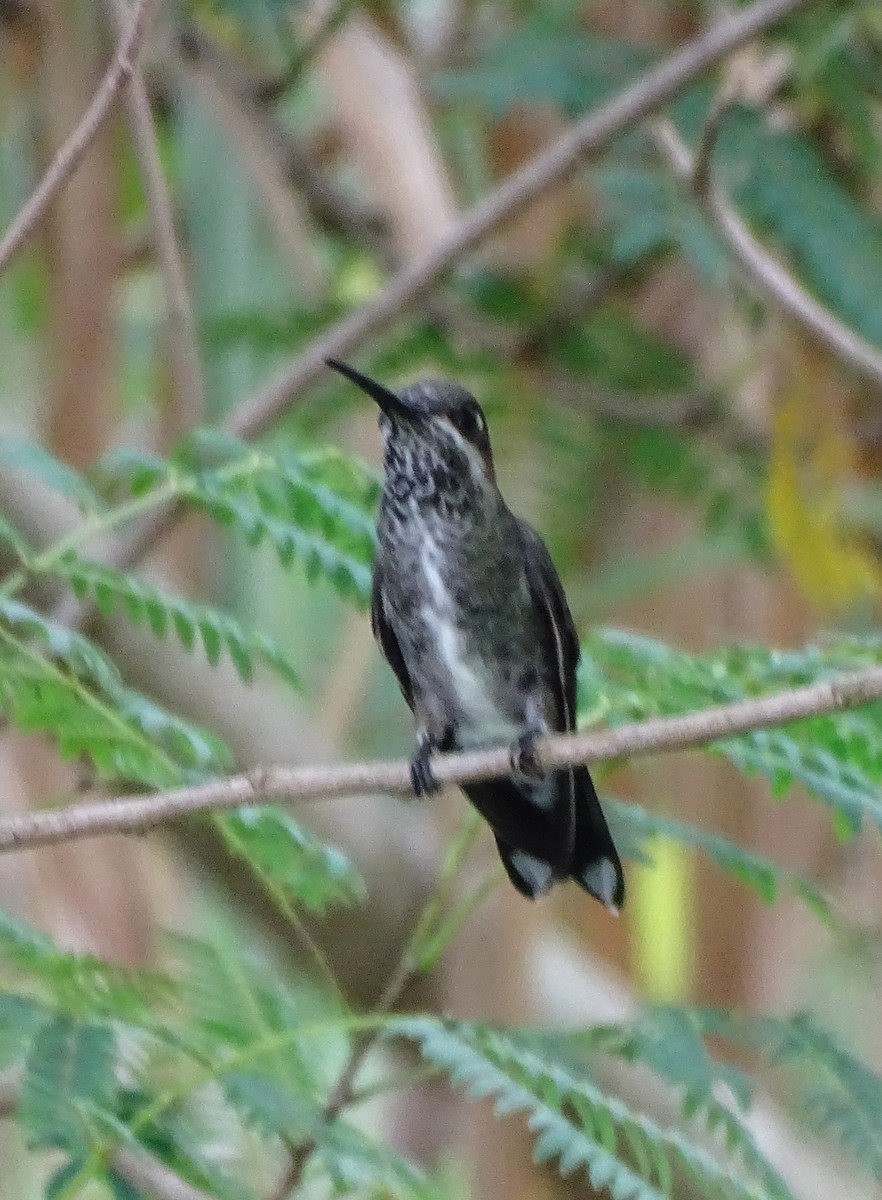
(536, 822)
(560, 642)
(595, 861)
(385, 635)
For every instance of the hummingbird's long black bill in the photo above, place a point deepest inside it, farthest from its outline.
(391, 404)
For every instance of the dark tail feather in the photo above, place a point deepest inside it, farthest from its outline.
(531, 876)
(533, 817)
(542, 837)
(596, 866)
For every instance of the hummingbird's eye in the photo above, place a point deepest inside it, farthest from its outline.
(470, 423)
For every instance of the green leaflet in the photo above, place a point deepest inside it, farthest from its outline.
(69, 1083)
(29, 457)
(836, 1094)
(192, 623)
(315, 506)
(81, 986)
(290, 860)
(577, 1124)
(59, 682)
(634, 828)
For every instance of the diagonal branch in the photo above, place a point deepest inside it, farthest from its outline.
(758, 264)
(68, 157)
(136, 814)
(546, 169)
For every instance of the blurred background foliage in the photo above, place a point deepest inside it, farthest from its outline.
(706, 474)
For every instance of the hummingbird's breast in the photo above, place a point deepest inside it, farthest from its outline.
(456, 593)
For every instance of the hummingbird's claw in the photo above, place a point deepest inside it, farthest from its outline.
(422, 778)
(522, 756)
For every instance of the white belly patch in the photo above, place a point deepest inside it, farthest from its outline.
(481, 721)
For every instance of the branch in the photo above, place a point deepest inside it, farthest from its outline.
(758, 264)
(180, 328)
(149, 1175)
(68, 157)
(546, 169)
(136, 814)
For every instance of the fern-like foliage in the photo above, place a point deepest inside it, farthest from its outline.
(634, 829)
(838, 758)
(580, 1126)
(69, 1083)
(32, 459)
(314, 506)
(836, 1093)
(58, 682)
(294, 865)
(49, 980)
(192, 623)
(351, 1160)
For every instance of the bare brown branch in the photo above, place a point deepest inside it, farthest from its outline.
(136, 814)
(68, 157)
(759, 265)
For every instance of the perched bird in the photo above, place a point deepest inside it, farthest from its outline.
(470, 613)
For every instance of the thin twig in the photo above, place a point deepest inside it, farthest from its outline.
(341, 1094)
(329, 23)
(136, 814)
(722, 107)
(68, 157)
(546, 169)
(766, 271)
(180, 327)
(149, 1175)
(411, 963)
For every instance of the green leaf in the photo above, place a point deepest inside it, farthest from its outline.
(290, 860)
(58, 682)
(837, 1094)
(645, 213)
(15, 540)
(138, 471)
(546, 59)
(69, 1080)
(82, 986)
(610, 347)
(634, 828)
(357, 1163)
(33, 459)
(145, 603)
(270, 1105)
(576, 1123)
(20, 1017)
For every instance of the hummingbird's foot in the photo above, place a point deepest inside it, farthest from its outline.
(522, 755)
(422, 778)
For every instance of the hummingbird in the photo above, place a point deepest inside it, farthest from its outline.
(470, 613)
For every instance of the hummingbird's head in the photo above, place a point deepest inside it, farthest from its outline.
(432, 421)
